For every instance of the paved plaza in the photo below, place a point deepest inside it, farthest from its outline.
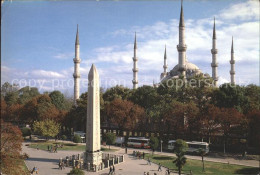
(47, 163)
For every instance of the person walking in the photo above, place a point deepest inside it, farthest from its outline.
(160, 167)
(114, 170)
(143, 155)
(110, 170)
(37, 147)
(125, 150)
(48, 147)
(148, 161)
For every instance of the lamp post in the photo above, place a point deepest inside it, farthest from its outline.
(161, 145)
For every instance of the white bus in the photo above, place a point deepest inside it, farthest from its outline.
(193, 146)
(138, 142)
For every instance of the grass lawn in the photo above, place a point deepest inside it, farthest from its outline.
(66, 146)
(211, 168)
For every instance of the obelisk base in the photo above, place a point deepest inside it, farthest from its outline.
(94, 161)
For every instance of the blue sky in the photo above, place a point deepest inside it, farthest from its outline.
(38, 39)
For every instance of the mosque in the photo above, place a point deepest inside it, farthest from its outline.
(185, 68)
(182, 69)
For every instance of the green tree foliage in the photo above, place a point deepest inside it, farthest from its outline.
(154, 143)
(77, 138)
(27, 93)
(202, 153)
(57, 98)
(109, 138)
(47, 128)
(26, 131)
(116, 92)
(76, 171)
(180, 148)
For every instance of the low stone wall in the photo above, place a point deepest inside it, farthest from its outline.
(78, 161)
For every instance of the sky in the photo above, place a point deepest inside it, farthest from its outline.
(38, 40)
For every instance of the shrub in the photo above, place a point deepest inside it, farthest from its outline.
(63, 137)
(76, 171)
(26, 131)
(77, 139)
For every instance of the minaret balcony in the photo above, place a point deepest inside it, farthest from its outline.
(135, 59)
(135, 81)
(76, 75)
(77, 60)
(165, 66)
(182, 48)
(214, 51)
(232, 72)
(232, 61)
(214, 64)
(135, 69)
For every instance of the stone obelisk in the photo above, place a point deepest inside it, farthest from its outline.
(93, 149)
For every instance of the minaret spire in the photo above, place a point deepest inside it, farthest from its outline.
(135, 69)
(165, 66)
(76, 74)
(182, 47)
(214, 52)
(232, 64)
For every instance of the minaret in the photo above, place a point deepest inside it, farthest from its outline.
(76, 74)
(165, 66)
(181, 47)
(214, 52)
(232, 63)
(135, 69)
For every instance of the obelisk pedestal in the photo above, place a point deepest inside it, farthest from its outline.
(93, 149)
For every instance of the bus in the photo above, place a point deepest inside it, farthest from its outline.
(138, 142)
(193, 146)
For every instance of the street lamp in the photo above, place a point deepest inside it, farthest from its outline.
(161, 145)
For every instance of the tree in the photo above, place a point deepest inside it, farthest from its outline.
(26, 131)
(202, 153)
(116, 92)
(109, 138)
(154, 143)
(77, 138)
(180, 148)
(11, 146)
(57, 98)
(76, 171)
(124, 113)
(27, 93)
(46, 128)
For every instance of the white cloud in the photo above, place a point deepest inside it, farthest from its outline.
(46, 74)
(248, 10)
(64, 56)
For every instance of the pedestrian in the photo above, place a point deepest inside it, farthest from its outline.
(110, 170)
(51, 148)
(149, 161)
(62, 165)
(168, 171)
(114, 170)
(125, 150)
(34, 170)
(160, 167)
(143, 155)
(37, 147)
(48, 147)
